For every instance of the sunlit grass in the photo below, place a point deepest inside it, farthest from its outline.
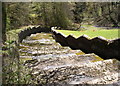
(109, 34)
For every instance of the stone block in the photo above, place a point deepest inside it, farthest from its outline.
(114, 49)
(61, 39)
(72, 42)
(84, 44)
(99, 46)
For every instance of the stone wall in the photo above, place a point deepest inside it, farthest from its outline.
(32, 30)
(107, 49)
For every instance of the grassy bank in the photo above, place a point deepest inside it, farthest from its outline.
(13, 34)
(109, 34)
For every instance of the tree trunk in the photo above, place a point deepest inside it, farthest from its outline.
(3, 22)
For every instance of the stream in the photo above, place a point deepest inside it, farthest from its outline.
(50, 62)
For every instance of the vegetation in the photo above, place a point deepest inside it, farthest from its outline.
(14, 72)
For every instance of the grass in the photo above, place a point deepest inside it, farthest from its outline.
(108, 34)
(13, 34)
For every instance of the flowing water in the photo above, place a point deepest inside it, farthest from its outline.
(41, 53)
(42, 45)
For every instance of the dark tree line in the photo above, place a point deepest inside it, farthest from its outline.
(99, 13)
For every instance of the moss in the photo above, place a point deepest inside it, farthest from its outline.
(80, 53)
(97, 58)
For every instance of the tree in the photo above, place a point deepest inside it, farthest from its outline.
(79, 8)
(61, 13)
(17, 15)
(52, 14)
(3, 22)
(102, 14)
(110, 14)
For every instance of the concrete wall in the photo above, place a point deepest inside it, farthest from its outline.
(32, 30)
(107, 49)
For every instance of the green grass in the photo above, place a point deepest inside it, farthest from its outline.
(108, 34)
(13, 34)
